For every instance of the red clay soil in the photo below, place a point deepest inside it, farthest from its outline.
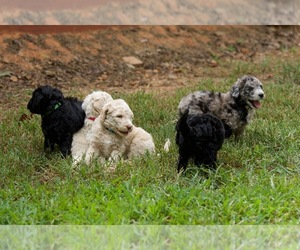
(172, 57)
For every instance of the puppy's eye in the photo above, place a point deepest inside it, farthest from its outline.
(261, 87)
(120, 116)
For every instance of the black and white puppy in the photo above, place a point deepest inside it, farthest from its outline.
(200, 137)
(61, 117)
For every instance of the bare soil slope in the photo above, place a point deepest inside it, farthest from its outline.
(88, 58)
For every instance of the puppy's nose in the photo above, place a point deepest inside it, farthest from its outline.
(261, 95)
(129, 127)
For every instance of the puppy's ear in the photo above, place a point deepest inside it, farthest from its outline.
(103, 113)
(96, 108)
(52, 93)
(88, 100)
(56, 94)
(235, 91)
(239, 85)
(84, 104)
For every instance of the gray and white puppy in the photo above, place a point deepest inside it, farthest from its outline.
(234, 108)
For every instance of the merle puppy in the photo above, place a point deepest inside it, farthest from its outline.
(235, 108)
(61, 117)
(199, 136)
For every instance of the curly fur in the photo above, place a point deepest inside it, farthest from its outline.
(140, 142)
(107, 137)
(92, 105)
(61, 117)
(234, 108)
(199, 137)
(94, 102)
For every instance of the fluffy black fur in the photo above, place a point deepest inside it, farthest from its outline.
(61, 117)
(199, 137)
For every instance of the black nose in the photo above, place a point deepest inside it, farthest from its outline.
(261, 95)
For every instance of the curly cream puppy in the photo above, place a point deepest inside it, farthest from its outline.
(107, 137)
(92, 105)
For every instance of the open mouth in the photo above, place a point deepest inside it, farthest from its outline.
(124, 132)
(256, 104)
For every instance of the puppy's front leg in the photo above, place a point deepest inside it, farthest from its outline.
(115, 156)
(91, 152)
(65, 146)
(182, 163)
(48, 144)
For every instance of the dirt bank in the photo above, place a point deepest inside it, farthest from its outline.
(168, 57)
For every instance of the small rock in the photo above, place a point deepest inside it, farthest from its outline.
(132, 60)
(14, 79)
(165, 65)
(277, 45)
(28, 77)
(133, 83)
(178, 70)
(104, 77)
(213, 63)
(172, 77)
(50, 73)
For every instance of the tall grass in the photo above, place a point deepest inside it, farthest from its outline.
(257, 180)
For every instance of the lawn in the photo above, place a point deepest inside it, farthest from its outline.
(256, 182)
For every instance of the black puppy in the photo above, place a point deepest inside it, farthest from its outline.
(61, 117)
(199, 137)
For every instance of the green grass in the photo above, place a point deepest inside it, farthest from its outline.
(257, 180)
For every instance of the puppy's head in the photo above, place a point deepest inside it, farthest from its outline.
(117, 117)
(43, 98)
(249, 90)
(94, 102)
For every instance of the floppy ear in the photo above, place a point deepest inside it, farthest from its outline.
(52, 93)
(57, 94)
(235, 91)
(85, 103)
(96, 108)
(103, 113)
